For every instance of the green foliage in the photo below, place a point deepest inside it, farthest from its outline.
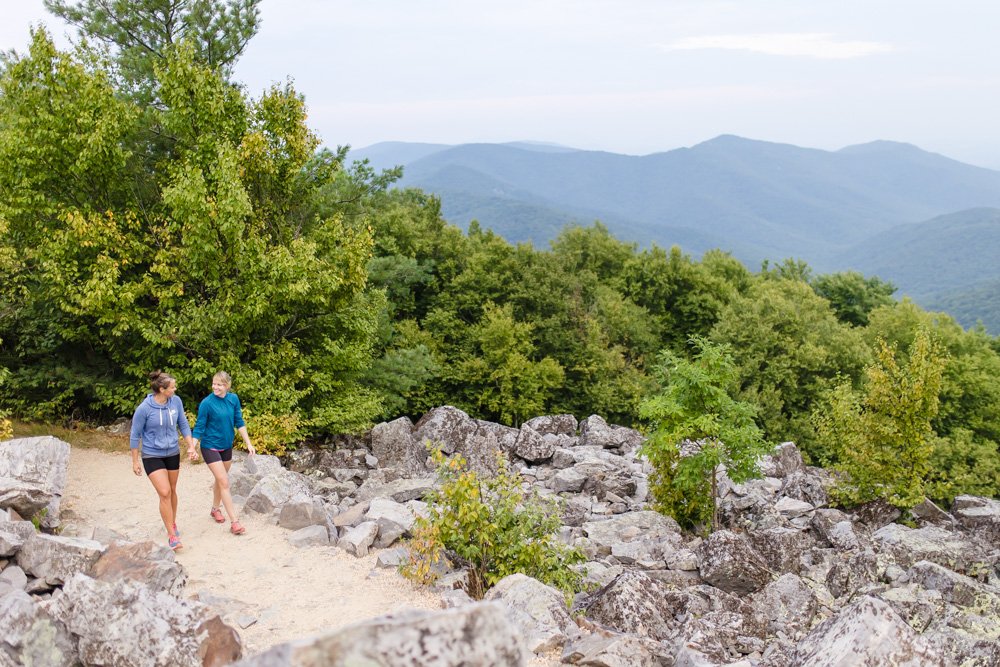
(696, 410)
(962, 464)
(789, 350)
(141, 33)
(852, 296)
(491, 527)
(501, 375)
(882, 436)
(198, 260)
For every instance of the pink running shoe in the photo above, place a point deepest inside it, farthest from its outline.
(237, 528)
(217, 515)
(174, 542)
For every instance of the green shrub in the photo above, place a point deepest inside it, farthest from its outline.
(492, 527)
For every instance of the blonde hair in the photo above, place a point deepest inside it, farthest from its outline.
(224, 376)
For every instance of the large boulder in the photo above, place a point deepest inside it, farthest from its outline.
(473, 634)
(554, 424)
(636, 604)
(145, 562)
(532, 447)
(55, 559)
(126, 623)
(728, 561)
(29, 635)
(645, 535)
(538, 612)
(273, 491)
(911, 545)
(595, 432)
(868, 632)
(394, 446)
(33, 476)
(446, 428)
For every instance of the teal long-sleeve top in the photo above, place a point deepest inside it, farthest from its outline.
(218, 419)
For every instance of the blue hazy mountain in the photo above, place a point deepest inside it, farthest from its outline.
(919, 219)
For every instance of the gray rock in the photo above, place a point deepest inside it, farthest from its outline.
(655, 531)
(595, 432)
(554, 425)
(301, 512)
(788, 604)
(144, 562)
(33, 476)
(29, 635)
(616, 650)
(357, 540)
(13, 535)
(568, 480)
(394, 446)
(868, 632)
(400, 490)
(276, 490)
(805, 485)
(782, 548)
(538, 612)
(852, 571)
(532, 447)
(636, 604)
(310, 536)
(126, 623)
(473, 634)
(55, 559)
(14, 577)
(908, 546)
(729, 562)
(446, 428)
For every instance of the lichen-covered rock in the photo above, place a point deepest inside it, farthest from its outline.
(473, 634)
(949, 549)
(867, 632)
(636, 604)
(144, 562)
(788, 604)
(394, 446)
(446, 428)
(782, 548)
(538, 612)
(554, 424)
(55, 559)
(29, 635)
(33, 476)
(606, 649)
(277, 489)
(595, 432)
(532, 447)
(126, 623)
(729, 562)
(651, 532)
(852, 571)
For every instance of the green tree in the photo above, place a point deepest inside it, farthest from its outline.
(142, 33)
(883, 436)
(196, 261)
(503, 379)
(492, 527)
(852, 296)
(789, 350)
(696, 427)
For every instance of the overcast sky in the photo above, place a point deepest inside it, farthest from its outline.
(629, 76)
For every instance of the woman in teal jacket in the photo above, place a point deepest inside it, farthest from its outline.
(220, 415)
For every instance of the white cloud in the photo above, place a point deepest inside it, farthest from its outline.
(807, 44)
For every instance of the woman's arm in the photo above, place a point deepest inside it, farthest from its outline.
(246, 439)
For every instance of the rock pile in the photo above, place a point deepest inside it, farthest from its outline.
(787, 581)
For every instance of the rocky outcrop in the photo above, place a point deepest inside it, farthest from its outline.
(32, 477)
(475, 634)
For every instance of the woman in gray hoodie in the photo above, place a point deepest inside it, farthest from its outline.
(154, 427)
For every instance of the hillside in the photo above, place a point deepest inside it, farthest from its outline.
(756, 199)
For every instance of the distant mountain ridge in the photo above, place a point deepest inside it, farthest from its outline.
(845, 209)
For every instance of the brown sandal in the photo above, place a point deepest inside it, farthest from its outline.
(237, 528)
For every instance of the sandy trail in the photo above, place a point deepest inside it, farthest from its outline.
(292, 593)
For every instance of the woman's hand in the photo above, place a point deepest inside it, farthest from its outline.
(251, 450)
(192, 454)
(137, 468)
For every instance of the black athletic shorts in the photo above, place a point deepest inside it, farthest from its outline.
(213, 455)
(162, 463)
